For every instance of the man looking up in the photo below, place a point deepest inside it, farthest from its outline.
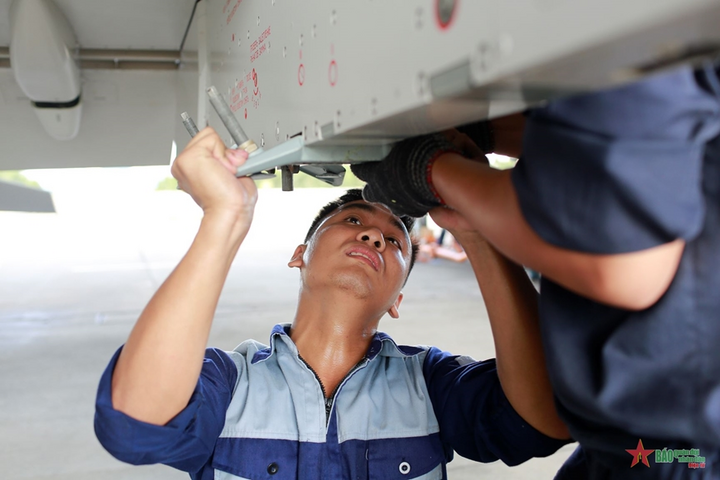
(330, 397)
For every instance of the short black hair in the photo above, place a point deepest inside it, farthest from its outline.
(354, 195)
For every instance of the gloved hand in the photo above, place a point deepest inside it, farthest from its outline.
(403, 180)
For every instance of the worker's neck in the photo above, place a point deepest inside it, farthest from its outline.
(332, 331)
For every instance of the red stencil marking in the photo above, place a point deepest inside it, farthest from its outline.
(444, 25)
(301, 74)
(333, 73)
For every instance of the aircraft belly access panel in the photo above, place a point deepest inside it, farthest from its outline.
(340, 81)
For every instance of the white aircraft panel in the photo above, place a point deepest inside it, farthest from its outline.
(119, 24)
(371, 72)
(348, 72)
(128, 119)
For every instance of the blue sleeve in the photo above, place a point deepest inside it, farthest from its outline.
(188, 440)
(619, 170)
(476, 419)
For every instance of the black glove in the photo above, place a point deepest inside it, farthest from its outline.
(481, 133)
(402, 180)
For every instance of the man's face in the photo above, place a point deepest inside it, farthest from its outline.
(361, 247)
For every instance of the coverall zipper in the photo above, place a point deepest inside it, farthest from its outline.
(329, 401)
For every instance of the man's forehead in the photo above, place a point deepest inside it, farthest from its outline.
(375, 208)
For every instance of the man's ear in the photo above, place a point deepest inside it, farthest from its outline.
(297, 258)
(393, 312)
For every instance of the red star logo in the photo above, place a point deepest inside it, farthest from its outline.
(639, 454)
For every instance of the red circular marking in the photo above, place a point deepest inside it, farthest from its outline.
(301, 74)
(438, 20)
(333, 73)
(254, 77)
(246, 113)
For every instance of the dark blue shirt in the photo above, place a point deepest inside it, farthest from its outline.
(260, 411)
(619, 171)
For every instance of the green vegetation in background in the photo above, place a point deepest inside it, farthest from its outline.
(17, 177)
(168, 183)
(301, 180)
(504, 164)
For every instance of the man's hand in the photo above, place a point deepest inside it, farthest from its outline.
(402, 180)
(206, 170)
(464, 234)
(448, 218)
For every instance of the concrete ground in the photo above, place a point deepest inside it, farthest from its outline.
(73, 284)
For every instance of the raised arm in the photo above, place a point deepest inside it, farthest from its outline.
(512, 306)
(487, 198)
(160, 364)
(424, 172)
